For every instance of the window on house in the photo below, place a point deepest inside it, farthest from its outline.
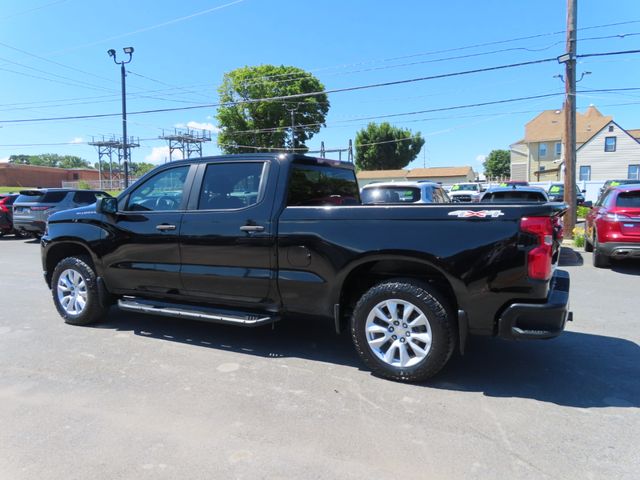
(611, 128)
(558, 149)
(610, 144)
(633, 173)
(542, 150)
(585, 173)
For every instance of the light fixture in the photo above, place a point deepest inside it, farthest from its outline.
(128, 50)
(111, 52)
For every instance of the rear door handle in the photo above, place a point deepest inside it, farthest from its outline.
(165, 226)
(252, 228)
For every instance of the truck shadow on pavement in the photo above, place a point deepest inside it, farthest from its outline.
(570, 258)
(573, 370)
(627, 267)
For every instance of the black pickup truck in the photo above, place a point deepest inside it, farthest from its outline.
(250, 239)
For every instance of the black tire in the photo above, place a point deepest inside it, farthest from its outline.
(600, 260)
(588, 246)
(93, 310)
(439, 318)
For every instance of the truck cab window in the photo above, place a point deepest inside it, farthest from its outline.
(161, 192)
(312, 185)
(229, 186)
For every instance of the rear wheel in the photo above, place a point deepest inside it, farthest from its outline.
(75, 291)
(588, 246)
(600, 259)
(402, 330)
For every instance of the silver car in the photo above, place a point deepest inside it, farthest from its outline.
(403, 193)
(33, 207)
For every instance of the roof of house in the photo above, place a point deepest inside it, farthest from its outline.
(549, 125)
(440, 172)
(635, 133)
(382, 173)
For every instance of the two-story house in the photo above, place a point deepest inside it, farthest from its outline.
(539, 155)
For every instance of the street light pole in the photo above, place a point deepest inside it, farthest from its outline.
(123, 74)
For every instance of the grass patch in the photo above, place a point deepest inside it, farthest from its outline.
(14, 189)
(578, 237)
(582, 212)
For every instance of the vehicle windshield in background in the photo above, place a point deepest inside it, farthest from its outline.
(391, 195)
(465, 186)
(312, 185)
(515, 196)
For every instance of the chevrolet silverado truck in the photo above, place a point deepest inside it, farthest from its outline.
(251, 239)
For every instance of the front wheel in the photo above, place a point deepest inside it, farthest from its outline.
(75, 291)
(403, 331)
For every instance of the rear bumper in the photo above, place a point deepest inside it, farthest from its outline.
(539, 320)
(36, 226)
(620, 249)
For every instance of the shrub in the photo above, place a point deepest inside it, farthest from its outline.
(582, 212)
(578, 237)
(83, 185)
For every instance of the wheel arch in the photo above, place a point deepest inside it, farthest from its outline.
(367, 271)
(69, 248)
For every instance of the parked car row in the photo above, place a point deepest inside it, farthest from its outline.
(26, 213)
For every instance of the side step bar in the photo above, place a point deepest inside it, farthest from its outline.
(195, 313)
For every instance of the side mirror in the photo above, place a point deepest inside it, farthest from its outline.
(108, 205)
(588, 204)
(583, 191)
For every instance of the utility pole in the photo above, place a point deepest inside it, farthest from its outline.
(292, 111)
(123, 75)
(569, 60)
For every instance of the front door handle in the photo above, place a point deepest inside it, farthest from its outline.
(252, 228)
(165, 226)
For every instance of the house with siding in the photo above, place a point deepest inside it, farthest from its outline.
(369, 176)
(444, 175)
(611, 153)
(539, 156)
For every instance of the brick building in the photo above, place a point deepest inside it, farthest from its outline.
(17, 175)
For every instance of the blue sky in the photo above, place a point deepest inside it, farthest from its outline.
(53, 63)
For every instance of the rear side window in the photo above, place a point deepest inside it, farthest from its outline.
(84, 198)
(312, 185)
(229, 186)
(53, 197)
(628, 199)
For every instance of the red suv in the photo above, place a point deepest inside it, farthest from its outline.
(613, 225)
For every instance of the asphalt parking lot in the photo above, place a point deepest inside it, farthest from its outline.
(142, 397)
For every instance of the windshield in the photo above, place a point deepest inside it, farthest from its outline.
(628, 199)
(391, 195)
(465, 186)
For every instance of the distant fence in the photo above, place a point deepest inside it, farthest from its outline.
(105, 184)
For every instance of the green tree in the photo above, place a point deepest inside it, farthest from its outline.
(497, 164)
(267, 124)
(140, 168)
(385, 147)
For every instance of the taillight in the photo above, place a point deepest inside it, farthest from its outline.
(4, 208)
(615, 217)
(39, 209)
(539, 257)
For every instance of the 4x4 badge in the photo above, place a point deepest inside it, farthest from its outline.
(476, 214)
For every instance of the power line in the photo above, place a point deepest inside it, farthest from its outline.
(298, 95)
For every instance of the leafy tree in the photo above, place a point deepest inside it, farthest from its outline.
(385, 147)
(140, 168)
(497, 164)
(267, 124)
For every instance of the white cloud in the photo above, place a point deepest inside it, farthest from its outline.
(480, 159)
(208, 126)
(161, 154)
(77, 140)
